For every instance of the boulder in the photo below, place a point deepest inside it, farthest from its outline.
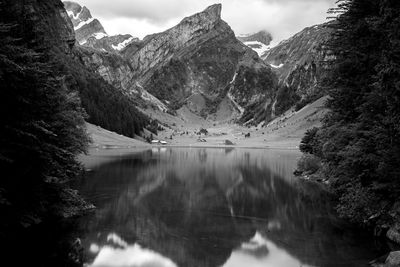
(394, 233)
(393, 260)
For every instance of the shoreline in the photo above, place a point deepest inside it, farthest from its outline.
(192, 146)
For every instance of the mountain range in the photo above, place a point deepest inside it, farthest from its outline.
(200, 69)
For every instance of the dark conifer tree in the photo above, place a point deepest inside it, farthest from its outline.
(359, 141)
(41, 131)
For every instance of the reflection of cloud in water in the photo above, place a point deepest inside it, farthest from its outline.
(128, 255)
(114, 238)
(160, 150)
(267, 255)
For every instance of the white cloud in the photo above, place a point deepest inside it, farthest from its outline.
(282, 18)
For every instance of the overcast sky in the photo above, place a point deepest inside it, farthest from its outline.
(282, 18)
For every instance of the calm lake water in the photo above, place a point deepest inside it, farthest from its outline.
(199, 207)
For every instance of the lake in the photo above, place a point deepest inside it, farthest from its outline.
(198, 207)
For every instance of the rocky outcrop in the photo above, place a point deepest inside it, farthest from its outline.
(393, 260)
(300, 64)
(394, 233)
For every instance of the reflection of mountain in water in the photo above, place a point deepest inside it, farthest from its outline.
(201, 207)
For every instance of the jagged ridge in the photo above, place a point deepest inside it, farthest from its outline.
(89, 31)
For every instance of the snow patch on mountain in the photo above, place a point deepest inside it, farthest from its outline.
(123, 44)
(72, 15)
(257, 46)
(235, 103)
(83, 23)
(99, 35)
(234, 78)
(277, 66)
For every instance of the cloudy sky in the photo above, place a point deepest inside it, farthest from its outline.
(282, 18)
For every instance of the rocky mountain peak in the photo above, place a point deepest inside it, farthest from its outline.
(213, 12)
(208, 16)
(199, 66)
(158, 48)
(205, 19)
(89, 31)
(85, 25)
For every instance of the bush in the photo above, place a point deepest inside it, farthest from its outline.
(308, 164)
(358, 203)
(203, 131)
(309, 143)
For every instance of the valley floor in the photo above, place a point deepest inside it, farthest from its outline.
(285, 132)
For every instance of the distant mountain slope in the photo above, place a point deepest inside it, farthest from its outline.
(259, 41)
(261, 36)
(299, 63)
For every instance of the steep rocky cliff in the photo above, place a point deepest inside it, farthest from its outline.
(300, 64)
(201, 65)
(41, 23)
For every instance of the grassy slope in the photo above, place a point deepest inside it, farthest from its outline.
(103, 138)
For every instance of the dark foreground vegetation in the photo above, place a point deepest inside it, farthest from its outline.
(357, 150)
(42, 130)
(45, 97)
